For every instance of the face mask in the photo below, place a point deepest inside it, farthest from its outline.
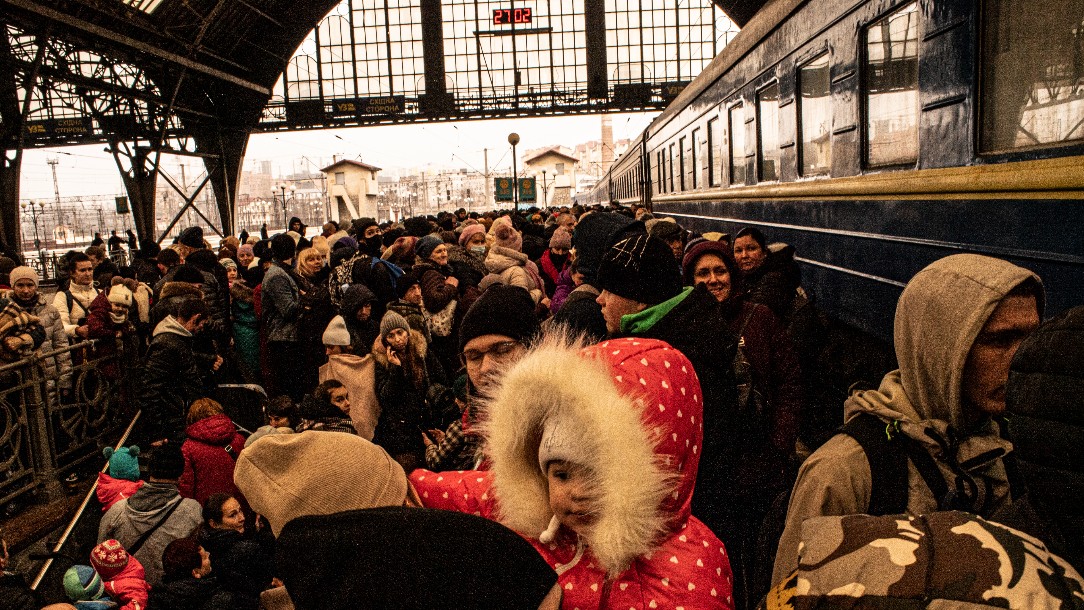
(373, 245)
(478, 249)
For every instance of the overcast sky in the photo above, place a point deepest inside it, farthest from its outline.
(89, 170)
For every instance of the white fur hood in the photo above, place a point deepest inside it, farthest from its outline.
(635, 408)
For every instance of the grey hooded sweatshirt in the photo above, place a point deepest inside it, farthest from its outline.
(938, 317)
(128, 519)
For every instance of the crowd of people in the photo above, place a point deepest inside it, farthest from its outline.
(566, 409)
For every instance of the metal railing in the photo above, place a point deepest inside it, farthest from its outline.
(47, 431)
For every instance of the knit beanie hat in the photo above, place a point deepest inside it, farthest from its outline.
(246, 249)
(468, 231)
(82, 583)
(561, 239)
(641, 268)
(358, 225)
(23, 273)
(192, 237)
(392, 321)
(666, 229)
(120, 295)
(386, 558)
(688, 262)
(559, 443)
(336, 332)
(123, 462)
(108, 558)
(593, 236)
(188, 273)
(404, 284)
(276, 476)
(228, 263)
(501, 310)
(345, 242)
(427, 245)
(282, 247)
(508, 237)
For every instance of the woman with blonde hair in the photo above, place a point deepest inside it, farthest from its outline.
(316, 311)
(210, 452)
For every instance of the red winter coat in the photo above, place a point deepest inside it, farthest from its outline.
(633, 409)
(208, 467)
(129, 587)
(111, 490)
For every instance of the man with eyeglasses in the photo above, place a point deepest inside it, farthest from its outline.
(493, 335)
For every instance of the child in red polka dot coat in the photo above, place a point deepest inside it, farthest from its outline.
(593, 454)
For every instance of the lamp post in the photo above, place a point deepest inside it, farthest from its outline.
(513, 139)
(545, 191)
(282, 187)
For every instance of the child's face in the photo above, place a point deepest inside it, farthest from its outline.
(571, 497)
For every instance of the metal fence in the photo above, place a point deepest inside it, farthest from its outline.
(46, 433)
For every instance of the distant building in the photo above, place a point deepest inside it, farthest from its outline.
(555, 176)
(353, 188)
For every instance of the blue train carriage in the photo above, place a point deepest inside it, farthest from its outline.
(878, 136)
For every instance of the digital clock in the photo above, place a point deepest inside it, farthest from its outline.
(503, 16)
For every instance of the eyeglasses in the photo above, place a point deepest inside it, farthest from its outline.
(474, 357)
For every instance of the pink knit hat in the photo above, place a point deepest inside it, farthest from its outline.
(507, 237)
(474, 229)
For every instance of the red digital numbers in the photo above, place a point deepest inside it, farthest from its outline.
(503, 16)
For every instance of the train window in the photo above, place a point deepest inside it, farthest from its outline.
(670, 167)
(694, 169)
(737, 144)
(768, 151)
(1032, 74)
(890, 88)
(715, 151)
(661, 171)
(681, 163)
(815, 101)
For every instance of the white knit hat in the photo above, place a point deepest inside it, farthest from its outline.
(560, 442)
(23, 273)
(120, 295)
(336, 332)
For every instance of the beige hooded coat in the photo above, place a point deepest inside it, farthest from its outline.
(939, 315)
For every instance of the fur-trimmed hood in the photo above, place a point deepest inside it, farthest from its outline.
(179, 289)
(500, 258)
(635, 407)
(417, 344)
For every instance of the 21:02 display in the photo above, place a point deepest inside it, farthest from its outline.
(502, 16)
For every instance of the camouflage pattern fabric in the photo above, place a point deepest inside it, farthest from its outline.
(945, 560)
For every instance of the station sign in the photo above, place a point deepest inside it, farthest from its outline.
(71, 126)
(527, 190)
(502, 190)
(359, 106)
(672, 89)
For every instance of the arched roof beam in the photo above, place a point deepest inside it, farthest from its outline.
(138, 45)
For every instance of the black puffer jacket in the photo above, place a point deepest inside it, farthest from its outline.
(242, 563)
(173, 376)
(362, 334)
(191, 594)
(1044, 397)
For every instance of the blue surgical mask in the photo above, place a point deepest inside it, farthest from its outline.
(478, 249)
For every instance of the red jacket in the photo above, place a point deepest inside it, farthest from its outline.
(633, 411)
(208, 466)
(111, 490)
(129, 587)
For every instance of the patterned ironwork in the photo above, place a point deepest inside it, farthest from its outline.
(43, 435)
